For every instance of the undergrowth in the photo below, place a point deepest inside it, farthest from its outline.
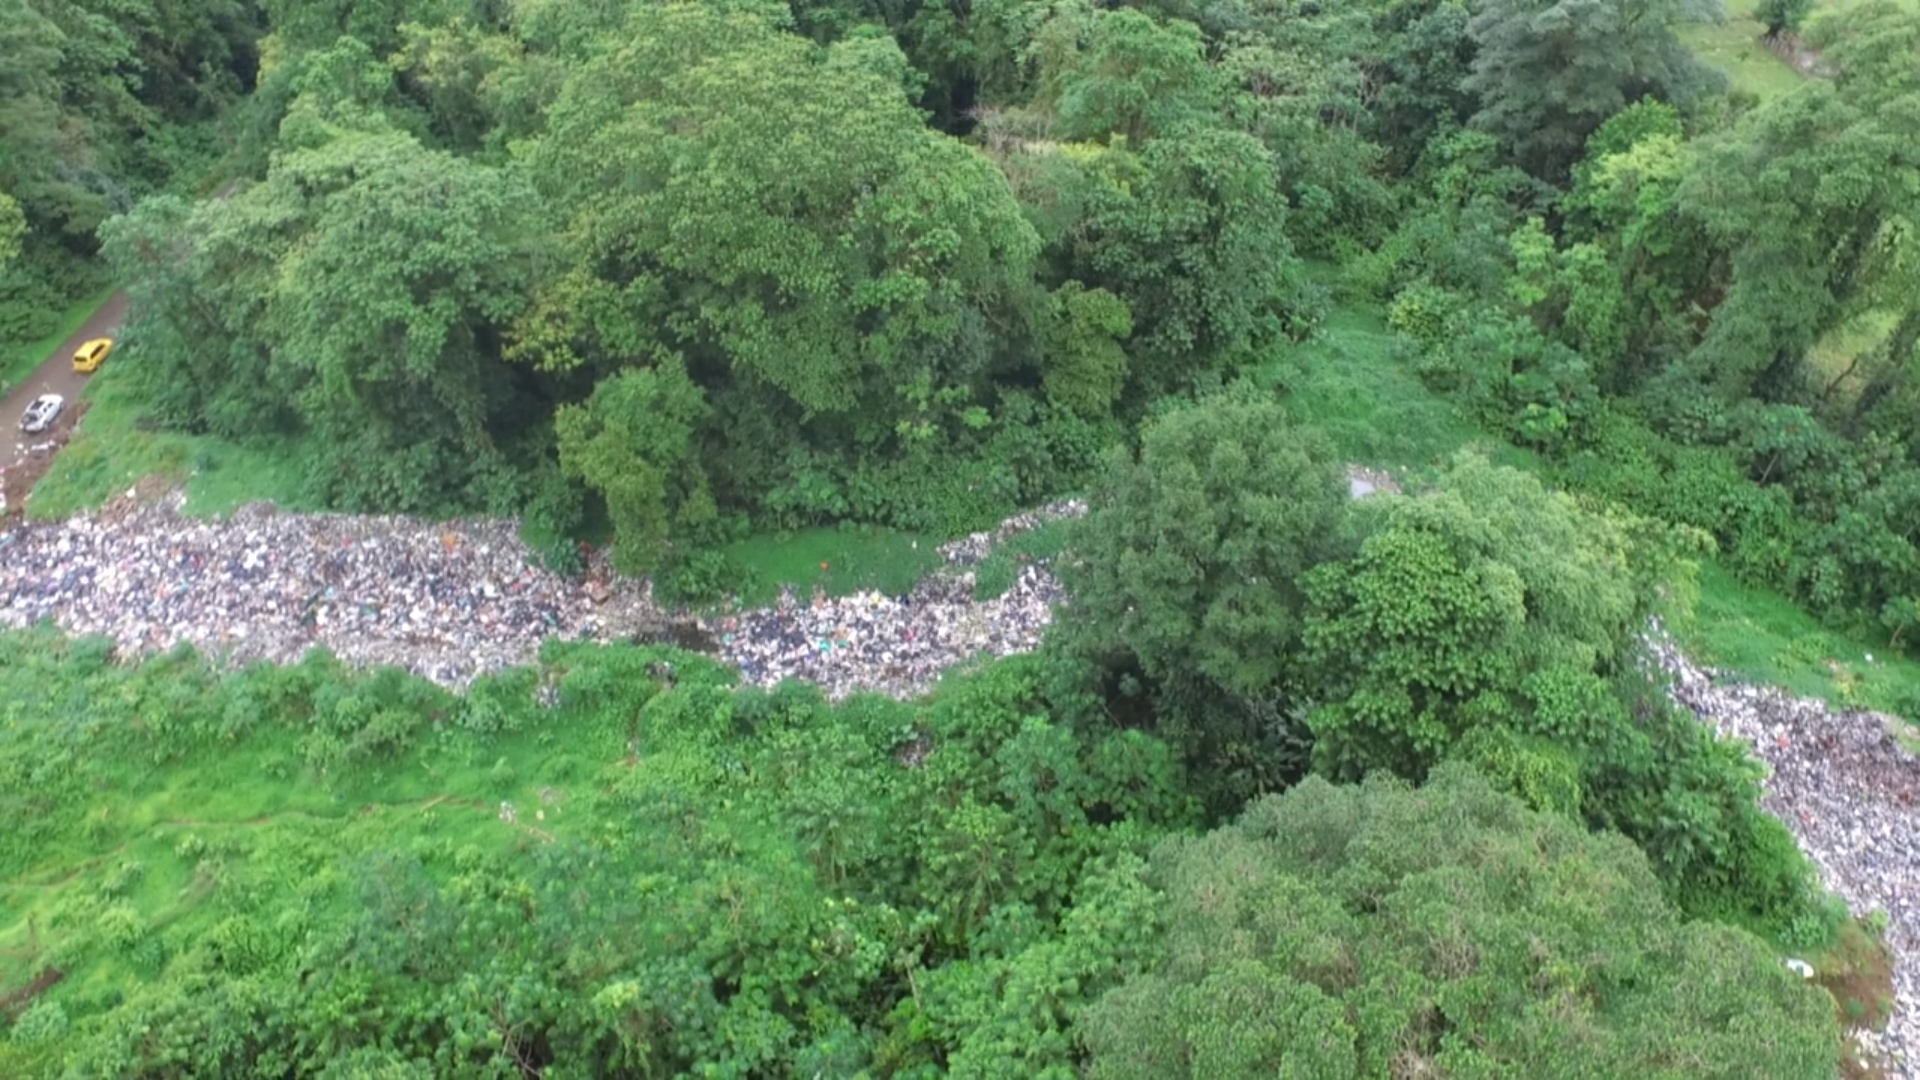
(125, 822)
(1765, 638)
(1347, 383)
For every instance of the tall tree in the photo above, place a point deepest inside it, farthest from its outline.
(359, 293)
(388, 314)
(1548, 72)
(1187, 230)
(632, 442)
(779, 214)
(1119, 74)
(200, 277)
(1453, 604)
(1334, 933)
(1186, 579)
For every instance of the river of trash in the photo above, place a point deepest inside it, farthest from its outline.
(1849, 791)
(450, 600)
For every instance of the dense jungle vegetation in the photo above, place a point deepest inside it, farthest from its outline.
(687, 270)
(1299, 785)
(1181, 840)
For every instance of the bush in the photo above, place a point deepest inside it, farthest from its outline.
(41, 1023)
(1453, 608)
(700, 577)
(1544, 776)
(550, 522)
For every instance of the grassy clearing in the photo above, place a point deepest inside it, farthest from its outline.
(18, 361)
(1348, 384)
(840, 561)
(1735, 48)
(998, 571)
(1764, 637)
(837, 560)
(1835, 355)
(113, 449)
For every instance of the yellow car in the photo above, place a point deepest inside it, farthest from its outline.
(92, 354)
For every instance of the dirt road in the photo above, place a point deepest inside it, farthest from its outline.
(20, 466)
(55, 375)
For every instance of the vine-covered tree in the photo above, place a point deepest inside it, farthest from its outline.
(1457, 600)
(358, 294)
(779, 214)
(632, 441)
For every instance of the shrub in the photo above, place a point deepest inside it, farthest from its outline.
(699, 577)
(39, 1024)
(1544, 776)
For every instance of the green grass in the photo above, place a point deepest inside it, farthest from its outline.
(18, 361)
(112, 450)
(998, 571)
(154, 833)
(1734, 47)
(1377, 412)
(1764, 637)
(840, 560)
(1834, 355)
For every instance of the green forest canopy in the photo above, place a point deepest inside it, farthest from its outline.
(920, 266)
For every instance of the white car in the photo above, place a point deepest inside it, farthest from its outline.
(41, 414)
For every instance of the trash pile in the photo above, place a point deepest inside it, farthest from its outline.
(898, 645)
(894, 645)
(1850, 794)
(1363, 481)
(445, 601)
(451, 600)
(971, 550)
